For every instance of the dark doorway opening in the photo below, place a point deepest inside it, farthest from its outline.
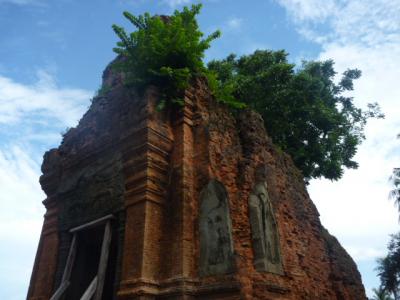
(86, 263)
(91, 265)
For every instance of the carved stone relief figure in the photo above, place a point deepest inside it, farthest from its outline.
(264, 231)
(216, 247)
(91, 192)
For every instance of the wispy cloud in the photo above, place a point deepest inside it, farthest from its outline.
(358, 21)
(22, 2)
(176, 3)
(20, 211)
(235, 23)
(309, 10)
(44, 99)
(365, 253)
(29, 114)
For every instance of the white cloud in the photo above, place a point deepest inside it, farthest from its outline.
(22, 2)
(309, 10)
(175, 3)
(234, 23)
(21, 195)
(20, 218)
(364, 35)
(28, 114)
(367, 22)
(364, 253)
(44, 99)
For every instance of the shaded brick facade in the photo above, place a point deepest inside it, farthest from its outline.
(148, 168)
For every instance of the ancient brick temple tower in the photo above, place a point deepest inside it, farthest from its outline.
(188, 204)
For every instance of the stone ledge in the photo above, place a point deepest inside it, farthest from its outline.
(175, 287)
(273, 288)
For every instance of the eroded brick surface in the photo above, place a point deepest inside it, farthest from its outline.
(148, 167)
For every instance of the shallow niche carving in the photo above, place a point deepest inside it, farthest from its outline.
(91, 191)
(267, 257)
(216, 246)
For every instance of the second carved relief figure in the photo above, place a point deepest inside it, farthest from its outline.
(216, 245)
(264, 230)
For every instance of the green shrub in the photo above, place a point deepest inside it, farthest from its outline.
(165, 51)
(305, 112)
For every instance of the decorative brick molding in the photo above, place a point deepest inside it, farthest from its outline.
(147, 168)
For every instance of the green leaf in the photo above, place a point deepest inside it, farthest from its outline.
(164, 51)
(304, 111)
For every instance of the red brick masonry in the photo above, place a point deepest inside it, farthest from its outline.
(167, 158)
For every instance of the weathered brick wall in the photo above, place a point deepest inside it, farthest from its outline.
(149, 167)
(232, 149)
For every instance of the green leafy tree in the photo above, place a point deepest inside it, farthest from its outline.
(395, 192)
(166, 51)
(305, 112)
(381, 294)
(389, 268)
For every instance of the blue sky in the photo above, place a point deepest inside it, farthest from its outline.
(52, 56)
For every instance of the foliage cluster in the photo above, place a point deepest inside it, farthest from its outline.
(389, 268)
(166, 51)
(305, 111)
(395, 192)
(381, 294)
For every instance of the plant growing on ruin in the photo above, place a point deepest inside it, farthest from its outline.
(305, 112)
(166, 51)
